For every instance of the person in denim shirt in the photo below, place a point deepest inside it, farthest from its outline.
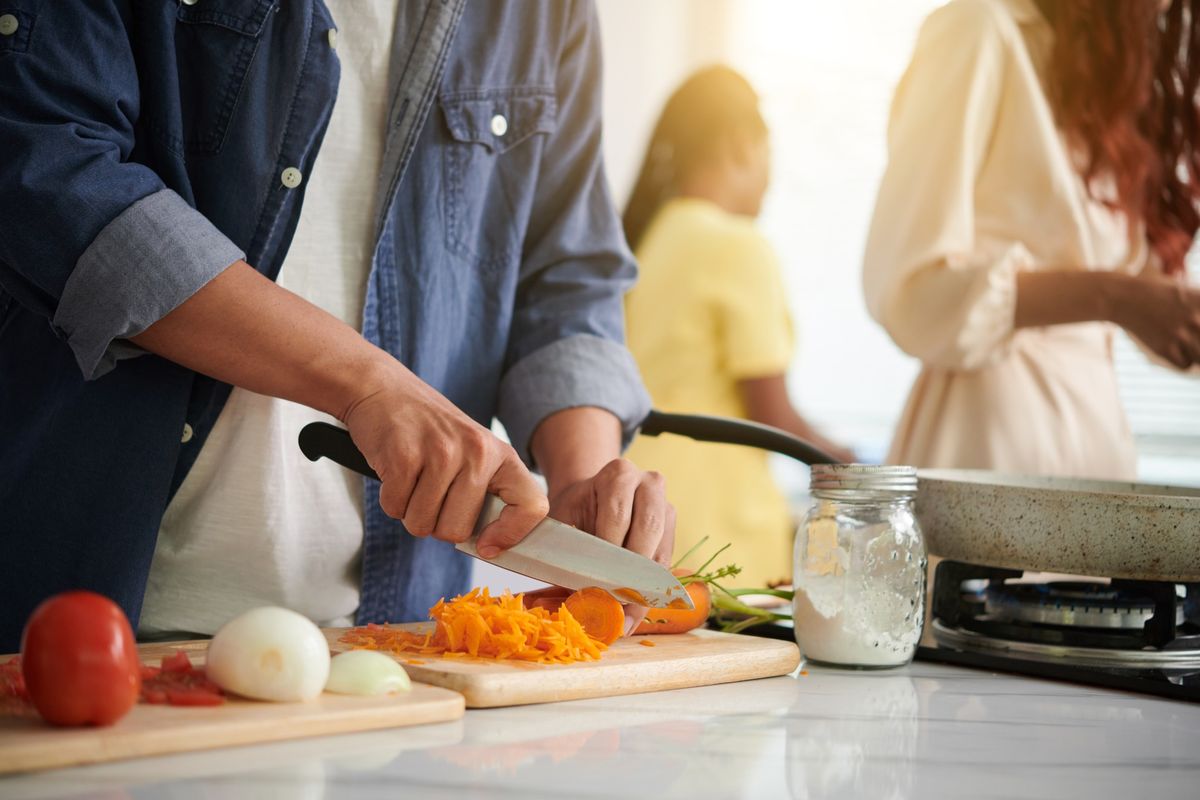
(152, 168)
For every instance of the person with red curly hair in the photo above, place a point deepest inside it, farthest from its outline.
(1041, 191)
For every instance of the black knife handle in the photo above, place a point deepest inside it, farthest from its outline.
(724, 430)
(322, 439)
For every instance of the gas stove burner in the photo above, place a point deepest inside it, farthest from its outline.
(1083, 604)
(1185, 661)
(1142, 636)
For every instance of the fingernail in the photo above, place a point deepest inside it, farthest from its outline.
(489, 551)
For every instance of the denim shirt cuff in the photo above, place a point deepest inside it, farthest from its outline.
(581, 370)
(155, 255)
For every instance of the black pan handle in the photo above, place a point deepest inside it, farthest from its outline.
(724, 430)
(319, 439)
(322, 439)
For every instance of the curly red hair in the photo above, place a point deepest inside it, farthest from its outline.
(1123, 80)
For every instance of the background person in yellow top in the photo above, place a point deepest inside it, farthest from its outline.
(708, 322)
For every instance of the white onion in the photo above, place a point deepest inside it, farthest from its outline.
(366, 672)
(270, 654)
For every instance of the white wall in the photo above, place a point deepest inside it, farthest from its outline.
(650, 46)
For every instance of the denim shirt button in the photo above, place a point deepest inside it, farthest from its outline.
(190, 2)
(187, 433)
(333, 38)
(499, 125)
(8, 25)
(291, 177)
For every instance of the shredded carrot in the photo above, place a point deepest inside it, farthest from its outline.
(646, 643)
(477, 624)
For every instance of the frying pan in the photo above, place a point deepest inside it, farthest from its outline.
(1099, 528)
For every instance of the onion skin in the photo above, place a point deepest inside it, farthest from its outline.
(271, 654)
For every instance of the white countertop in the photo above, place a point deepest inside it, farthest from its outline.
(925, 731)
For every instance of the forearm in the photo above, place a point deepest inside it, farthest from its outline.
(1063, 297)
(767, 402)
(244, 329)
(574, 444)
(794, 423)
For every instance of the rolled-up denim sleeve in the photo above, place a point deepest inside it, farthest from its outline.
(567, 342)
(582, 370)
(90, 239)
(147, 261)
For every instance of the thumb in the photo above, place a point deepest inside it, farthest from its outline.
(525, 506)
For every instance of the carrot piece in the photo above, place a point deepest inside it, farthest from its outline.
(646, 643)
(679, 620)
(600, 614)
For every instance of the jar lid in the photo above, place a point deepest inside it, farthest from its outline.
(864, 478)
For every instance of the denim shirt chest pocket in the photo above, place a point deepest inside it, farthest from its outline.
(490, 165)
(215, 43)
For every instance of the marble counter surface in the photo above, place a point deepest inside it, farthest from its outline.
(926, 731)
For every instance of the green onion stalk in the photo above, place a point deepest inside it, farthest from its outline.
(728, 613)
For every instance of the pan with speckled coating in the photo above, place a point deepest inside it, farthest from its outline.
(1100, 528)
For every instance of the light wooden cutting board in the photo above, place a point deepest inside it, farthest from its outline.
(678, 661)
(31, 744)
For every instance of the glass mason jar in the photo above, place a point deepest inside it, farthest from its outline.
(859, 569)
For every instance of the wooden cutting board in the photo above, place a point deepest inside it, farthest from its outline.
(31, 744)
(679, 661)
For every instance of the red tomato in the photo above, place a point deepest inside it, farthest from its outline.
(79, 660)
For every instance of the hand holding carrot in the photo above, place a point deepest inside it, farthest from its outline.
(595, 490)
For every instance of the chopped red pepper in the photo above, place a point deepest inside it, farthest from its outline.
(175, 683)
(178, 683)
(179, 662)
(14, 696)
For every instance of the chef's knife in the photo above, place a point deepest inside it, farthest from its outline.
(553, 551)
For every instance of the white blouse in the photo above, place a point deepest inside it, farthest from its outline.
(980, 185)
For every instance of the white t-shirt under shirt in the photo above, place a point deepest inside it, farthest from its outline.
(255, 522)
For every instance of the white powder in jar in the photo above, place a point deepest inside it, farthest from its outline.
(871, 620)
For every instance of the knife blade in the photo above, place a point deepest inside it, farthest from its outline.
(554, 551)
(560, 554)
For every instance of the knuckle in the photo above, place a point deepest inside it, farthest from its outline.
(441, 453)
(612, 469)
(420, 532)
(420, 522)
(392, 505)
(650, 520)
(624, 466)
(476, 444)
(416, 530)
(454, 533)
(539, 507)
(615, 506)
